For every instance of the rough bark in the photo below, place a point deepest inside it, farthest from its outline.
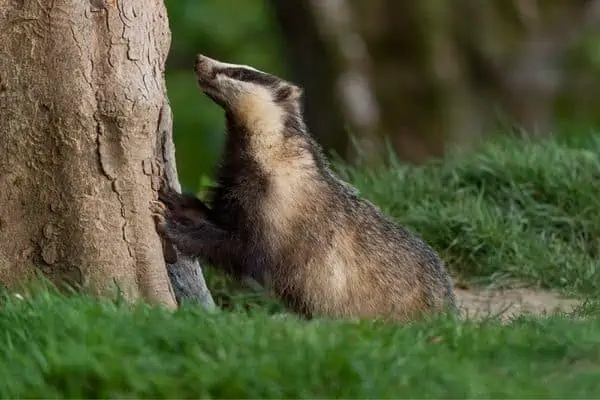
(83, 136)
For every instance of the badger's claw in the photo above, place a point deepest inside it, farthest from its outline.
(169, 196)
(159, 213)
(158, 207)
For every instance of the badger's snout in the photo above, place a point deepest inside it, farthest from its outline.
(203, 66)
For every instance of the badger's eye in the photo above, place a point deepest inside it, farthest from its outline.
(238, 74)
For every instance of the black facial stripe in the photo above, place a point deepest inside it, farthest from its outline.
(248, 75)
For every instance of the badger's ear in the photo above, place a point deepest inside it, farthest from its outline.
(288, 92)
(297, 93)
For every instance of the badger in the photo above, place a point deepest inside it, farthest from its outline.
(279, 215)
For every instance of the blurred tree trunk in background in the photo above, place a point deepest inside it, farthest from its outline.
(329, 58)
(431, 72)
(419, 82)
(516, 50)
(85, 133)
(311, 64)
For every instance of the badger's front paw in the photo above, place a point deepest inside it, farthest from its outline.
(159, 213)
(169, 197)
(186, 209)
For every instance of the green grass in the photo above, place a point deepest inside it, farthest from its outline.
(511, 212)
(514, 210)
(52, 346)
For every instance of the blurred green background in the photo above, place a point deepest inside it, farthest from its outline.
(241, 32)
(422, 76)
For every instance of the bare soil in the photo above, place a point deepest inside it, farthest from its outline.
(507, 303)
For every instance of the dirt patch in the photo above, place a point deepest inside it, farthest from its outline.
(506, 303)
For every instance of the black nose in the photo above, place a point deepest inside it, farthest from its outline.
(200, 59)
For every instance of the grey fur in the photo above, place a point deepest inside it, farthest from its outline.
(279, 215)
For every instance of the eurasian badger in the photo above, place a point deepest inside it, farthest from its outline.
(279, 215)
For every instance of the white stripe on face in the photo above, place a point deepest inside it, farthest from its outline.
(228, 65)
(221, 64)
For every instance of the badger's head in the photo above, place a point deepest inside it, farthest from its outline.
(251, 96)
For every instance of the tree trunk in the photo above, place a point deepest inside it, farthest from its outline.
(186, 274)
(85, 129)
